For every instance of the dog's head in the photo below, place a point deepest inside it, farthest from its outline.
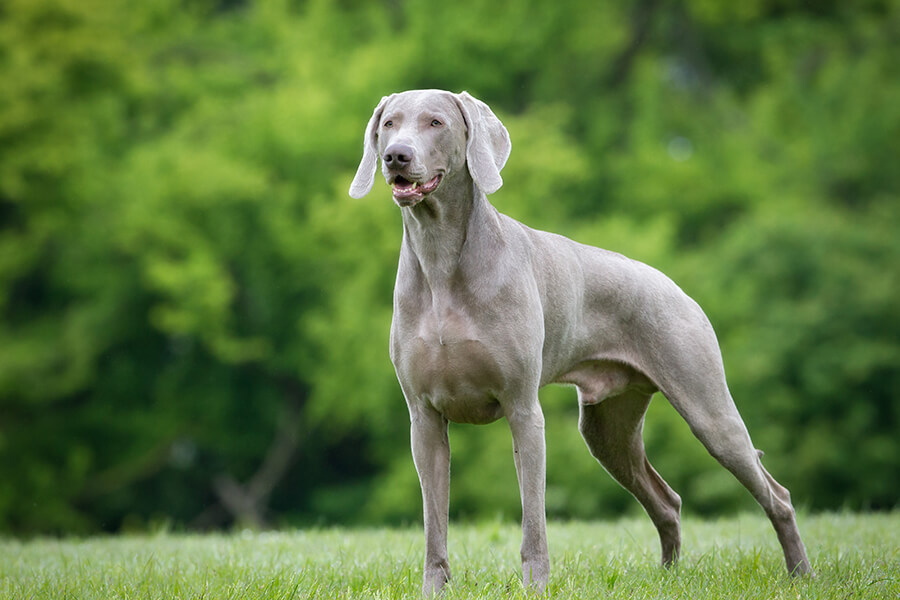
(423, 137)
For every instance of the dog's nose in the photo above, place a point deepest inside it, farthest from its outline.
(397, 156)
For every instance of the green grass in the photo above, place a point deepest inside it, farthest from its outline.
(855, 556)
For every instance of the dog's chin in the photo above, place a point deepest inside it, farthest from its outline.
(408, 202)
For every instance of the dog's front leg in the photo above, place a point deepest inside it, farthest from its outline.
(431, 454)
(527, 428)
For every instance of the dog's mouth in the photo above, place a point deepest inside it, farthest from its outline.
(410, 193)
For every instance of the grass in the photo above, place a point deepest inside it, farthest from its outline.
(855, 556)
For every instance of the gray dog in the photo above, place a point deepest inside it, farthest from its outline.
(487, 310)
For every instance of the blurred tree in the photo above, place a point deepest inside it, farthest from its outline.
(194, 315)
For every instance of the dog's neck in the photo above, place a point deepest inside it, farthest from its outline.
(436, 230)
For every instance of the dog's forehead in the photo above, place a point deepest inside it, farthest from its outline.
(418, 101)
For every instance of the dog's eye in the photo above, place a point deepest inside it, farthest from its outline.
(436, 123)
(388, 124)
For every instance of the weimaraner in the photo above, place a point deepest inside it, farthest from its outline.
(487, 310)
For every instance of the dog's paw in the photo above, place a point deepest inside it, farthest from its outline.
(434, 580)
(536, 574)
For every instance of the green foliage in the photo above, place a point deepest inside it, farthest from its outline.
(192, 307)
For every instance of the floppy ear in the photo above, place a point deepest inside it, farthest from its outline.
(365, 173)
(487, 144)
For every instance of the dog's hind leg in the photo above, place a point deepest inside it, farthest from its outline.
(612, 429)
(715, 421)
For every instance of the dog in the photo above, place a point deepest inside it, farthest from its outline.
(488, 310)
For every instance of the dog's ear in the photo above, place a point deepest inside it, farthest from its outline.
(487, 143)
(365, 173)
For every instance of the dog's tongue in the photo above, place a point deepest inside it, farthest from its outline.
(431, 185)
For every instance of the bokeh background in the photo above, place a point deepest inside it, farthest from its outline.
(194, 315)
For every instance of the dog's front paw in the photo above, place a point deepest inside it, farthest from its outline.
(535, 574)
(436, 576)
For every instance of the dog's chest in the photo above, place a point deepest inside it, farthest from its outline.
(447, 361)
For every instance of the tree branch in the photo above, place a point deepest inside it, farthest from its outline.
(247, 503)
(641, 20)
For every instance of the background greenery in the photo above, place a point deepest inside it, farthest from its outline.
(194, 314)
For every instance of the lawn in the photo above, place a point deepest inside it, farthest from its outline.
(855, 556)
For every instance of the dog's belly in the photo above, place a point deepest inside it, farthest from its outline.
(459, 378)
